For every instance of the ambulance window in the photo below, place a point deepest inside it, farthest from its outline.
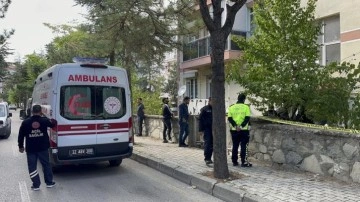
(92, 102)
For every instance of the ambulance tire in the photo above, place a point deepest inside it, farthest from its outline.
(115, 163)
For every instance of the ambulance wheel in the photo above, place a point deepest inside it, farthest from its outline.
(115, 162)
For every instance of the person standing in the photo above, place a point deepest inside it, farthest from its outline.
(167, 115)
(34, 131)
(184, 121)
(140, 115)
(205, 126)
(239, 117)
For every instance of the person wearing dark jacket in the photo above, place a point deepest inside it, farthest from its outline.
(167, 115)
(140, 115)
(205, 126)
(184, 121)
(34, 131)
(239, 117)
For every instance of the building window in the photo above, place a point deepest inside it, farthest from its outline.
(191, 86)
(251, 22)
(208, 86)
(330, 40)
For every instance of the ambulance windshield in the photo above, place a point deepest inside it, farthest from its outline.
(92, 102)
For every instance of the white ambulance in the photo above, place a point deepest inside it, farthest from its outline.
(91, 103)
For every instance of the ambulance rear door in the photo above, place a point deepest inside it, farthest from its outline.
(112, 111)
(76, 123)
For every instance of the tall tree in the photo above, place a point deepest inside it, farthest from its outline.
(138, 30)
(4, 37)
(218, 35)
(74, 41)
(281, 57)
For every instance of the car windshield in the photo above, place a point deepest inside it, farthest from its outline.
(2, 110)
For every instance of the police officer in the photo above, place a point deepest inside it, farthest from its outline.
(34, 130)
(239, 117)
(205, 126)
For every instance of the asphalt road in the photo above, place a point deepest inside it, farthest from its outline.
(130, 181)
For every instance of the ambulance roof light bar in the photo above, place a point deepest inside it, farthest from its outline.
(91, 62)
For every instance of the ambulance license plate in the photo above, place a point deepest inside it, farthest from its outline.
(81, 152)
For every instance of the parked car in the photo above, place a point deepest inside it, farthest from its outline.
(12, 107)
(5, 121)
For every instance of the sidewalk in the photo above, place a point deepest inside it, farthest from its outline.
(261, 182)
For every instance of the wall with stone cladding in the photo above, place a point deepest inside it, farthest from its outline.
(318, 151)
(324, 152)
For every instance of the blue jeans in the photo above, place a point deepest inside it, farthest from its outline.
(32, 158)
(167, 129)
(184, 132)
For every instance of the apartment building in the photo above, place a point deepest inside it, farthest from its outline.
(195, 61)
(340, 42)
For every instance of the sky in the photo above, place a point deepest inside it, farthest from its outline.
(27, 18)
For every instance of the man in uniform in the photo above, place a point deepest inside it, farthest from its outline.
(34, 130)
(239, 117)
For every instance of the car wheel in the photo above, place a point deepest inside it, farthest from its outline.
(7, 135)
(115, 162)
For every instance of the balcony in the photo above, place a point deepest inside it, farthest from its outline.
(201, 47)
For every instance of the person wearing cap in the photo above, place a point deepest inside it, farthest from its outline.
(184, 121)
(167, 115)
(34, 131)
(205, 126)
(239, 117)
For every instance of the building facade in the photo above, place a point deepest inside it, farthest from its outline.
(195, 61)
(340, 43)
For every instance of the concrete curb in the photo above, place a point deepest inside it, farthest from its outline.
(210, 186)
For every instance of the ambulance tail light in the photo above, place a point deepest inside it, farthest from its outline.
(131, 137)
(53, 137)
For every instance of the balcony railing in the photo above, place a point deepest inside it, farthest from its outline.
(201, 47)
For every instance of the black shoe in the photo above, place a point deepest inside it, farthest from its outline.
(165, 141)
(183, 145)
(139, 135)
(246, 165)
(52, 184)
(35, 188)
(208, 162)
(235, 163)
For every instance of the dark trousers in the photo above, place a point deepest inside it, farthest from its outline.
(184, 132)
(167, 129)
(32, 159)
(237, 138)
(208, 144)
(140, 124)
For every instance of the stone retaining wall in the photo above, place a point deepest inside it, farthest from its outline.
(318, 151)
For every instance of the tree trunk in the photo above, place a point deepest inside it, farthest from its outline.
(221, 169)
